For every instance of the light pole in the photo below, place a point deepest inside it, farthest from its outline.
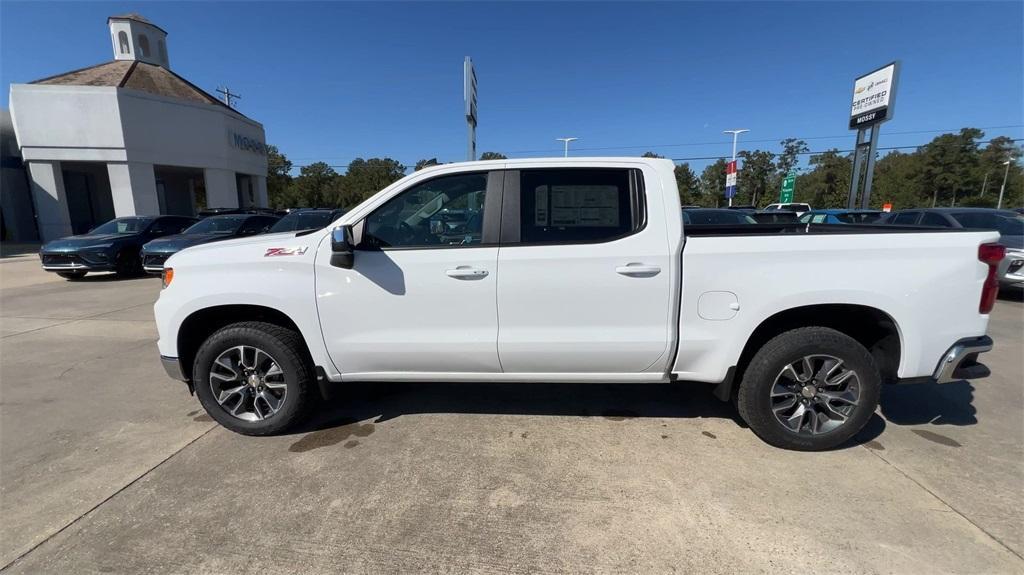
(984, 184)
(735, 136)
(999, 204)
(567, 140)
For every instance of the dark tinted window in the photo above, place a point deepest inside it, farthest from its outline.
(935, 220)
(905, 218)
(131, 225)
(257, 224)
(1006, 223)
(171, 225)
(577, 205)
(217, 225)
(858, 217)
(444, 211)
(303, 221)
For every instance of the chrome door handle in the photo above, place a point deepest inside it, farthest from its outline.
(638, 270)
(466, 272)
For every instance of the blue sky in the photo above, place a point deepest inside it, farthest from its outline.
(332, 81)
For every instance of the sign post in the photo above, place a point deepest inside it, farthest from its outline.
(788, 188)
(469, 95)
(874, 100)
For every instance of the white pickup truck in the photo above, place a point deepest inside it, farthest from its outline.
(576, 270)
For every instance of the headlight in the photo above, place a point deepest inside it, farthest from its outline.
(167, 276)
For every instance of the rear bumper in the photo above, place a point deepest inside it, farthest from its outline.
(961, 360)
(173, 368)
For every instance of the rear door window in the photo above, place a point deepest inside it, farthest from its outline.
(558, 206)
(935, 220)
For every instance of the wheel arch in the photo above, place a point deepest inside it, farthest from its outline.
(873, 328)
(202, 323)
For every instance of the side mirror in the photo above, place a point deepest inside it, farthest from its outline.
(341, 247)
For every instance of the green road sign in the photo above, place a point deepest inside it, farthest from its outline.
(788, 187)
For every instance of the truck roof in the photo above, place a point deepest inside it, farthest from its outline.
(550, 160)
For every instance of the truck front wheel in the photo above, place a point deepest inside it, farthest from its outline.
(809, 389)
(254, 378)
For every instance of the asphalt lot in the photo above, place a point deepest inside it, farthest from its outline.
(108, 466)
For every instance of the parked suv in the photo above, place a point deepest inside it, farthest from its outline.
(113, 246)
(211, 229)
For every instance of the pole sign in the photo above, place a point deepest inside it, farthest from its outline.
(469, 96)
(873, 97)
(730, 179)
(788, 187)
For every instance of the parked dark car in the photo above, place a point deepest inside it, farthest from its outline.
(211, 229)
(838, 216)
(712, 216)
(113, 246)
(775, 217)
(305, 219)
(207, 212)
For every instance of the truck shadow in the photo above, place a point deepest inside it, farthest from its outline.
(380, 402)
(918, 404)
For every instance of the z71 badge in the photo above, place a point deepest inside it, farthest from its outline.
(272, 252)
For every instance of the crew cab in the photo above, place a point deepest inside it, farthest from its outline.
(576, 270)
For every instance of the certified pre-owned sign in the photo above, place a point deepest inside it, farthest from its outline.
(873, 97)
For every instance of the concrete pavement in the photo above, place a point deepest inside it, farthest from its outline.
(108, 466)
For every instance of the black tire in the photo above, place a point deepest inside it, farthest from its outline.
(287, 349)
(128, 265)
(755, 393)
(71, 275)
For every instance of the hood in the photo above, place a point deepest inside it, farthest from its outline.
(171, 244)
(72, 243)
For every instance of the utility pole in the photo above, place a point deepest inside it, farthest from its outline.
(567, 140)
(730, 178)
(228, 96)
(999, 204)
(984, 184)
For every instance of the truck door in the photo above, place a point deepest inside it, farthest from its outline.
(420, 297)
(585, 277)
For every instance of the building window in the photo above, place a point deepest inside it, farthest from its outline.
(122, 41)
(144, 45)
(163, 51)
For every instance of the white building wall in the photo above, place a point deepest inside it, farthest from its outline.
(67, 122)
(52, 216)
(221, 188)
(133, 189)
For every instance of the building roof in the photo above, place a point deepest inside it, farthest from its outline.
(136, 75)
(135, 16)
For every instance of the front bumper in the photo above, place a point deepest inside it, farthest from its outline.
(69, 262)
(153, 262)
(173, 368)
(961, 360)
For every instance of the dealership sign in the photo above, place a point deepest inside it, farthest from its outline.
(873, 97)
(248, 144)
(730, 179)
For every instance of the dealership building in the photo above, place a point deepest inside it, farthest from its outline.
(131, 137)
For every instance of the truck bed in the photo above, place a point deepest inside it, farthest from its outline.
(698, 230)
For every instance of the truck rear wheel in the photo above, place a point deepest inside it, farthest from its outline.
(254, 378)
(809, 389)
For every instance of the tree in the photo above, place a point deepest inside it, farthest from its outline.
(688, 184)
(757, 176)
(315, 187)
(827, 185)
(425, 163)
(712, 184)
(790, 156)
(367, 177)
(651, 155)
(278, 177)
(493, 156)
(949, 164)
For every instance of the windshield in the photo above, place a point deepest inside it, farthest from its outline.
(122, 226)
(302, 221)
(217, 225)
(1006, 223)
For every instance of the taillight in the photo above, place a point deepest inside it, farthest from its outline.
(990, 254)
